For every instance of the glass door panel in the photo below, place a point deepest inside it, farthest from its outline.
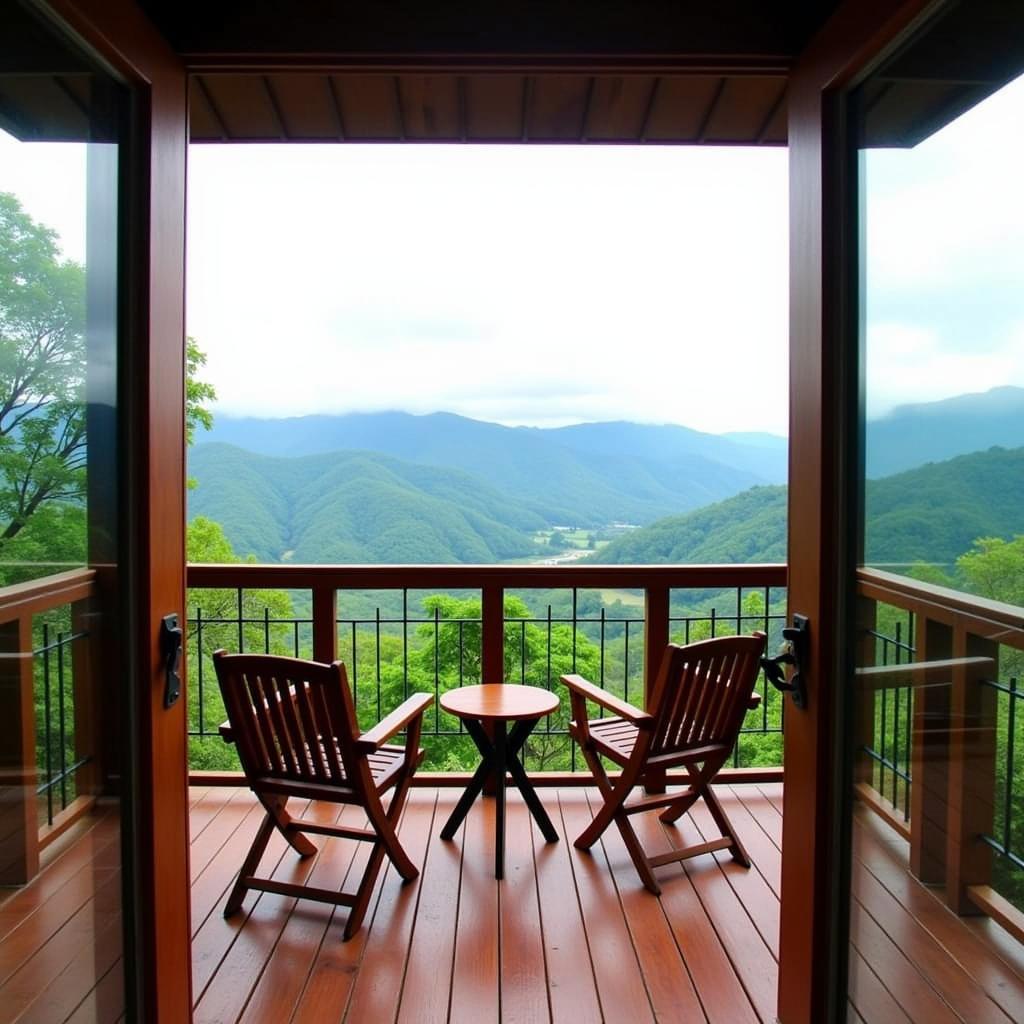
(62, 776)
(935, 711)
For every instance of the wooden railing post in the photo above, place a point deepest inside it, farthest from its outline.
(972, 772)
(929, 758)
(492, 647)
(325, 623)
(656, 634)
(19, 827)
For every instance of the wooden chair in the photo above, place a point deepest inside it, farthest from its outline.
(295, 726)
(700, 697)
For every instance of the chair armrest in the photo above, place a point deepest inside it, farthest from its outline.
(226, 733)
(376, 737)
(577, 684)
(754, 702)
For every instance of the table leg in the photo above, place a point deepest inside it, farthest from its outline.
(471, 792)
(522, 781)
(500, 736)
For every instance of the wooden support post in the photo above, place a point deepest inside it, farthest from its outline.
(19, 827)
(864, 697)
(972, 772)
(492, 653)
(325, 624)
(656, 633)
(929, 758)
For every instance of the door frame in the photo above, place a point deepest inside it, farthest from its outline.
(824, 485)
(155, 852)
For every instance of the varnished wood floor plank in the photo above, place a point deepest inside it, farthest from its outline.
(568, 937)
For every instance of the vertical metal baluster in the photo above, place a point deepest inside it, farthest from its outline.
(909, 783)
(378, 663)
(714, 622)
(266, 630)
(62, 730)
(295, 638)
(241, 625)
(522, 652)
(625, 658)
(1008, 795)
(462, 634)
(355, 668)
(437, 669)
(574, 629)
(764, 679)
(405, 641)
(48, 727)
(199, 669)
(602, 644)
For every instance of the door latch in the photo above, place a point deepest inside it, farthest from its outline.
(170, 650)
(793, 653)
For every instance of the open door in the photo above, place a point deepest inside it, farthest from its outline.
(893, 768)
(124, 92)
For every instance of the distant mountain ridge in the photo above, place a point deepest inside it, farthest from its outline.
(912, 435)
(932, 513)
(590, 474)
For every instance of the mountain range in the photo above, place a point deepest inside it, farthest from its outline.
(929, 514)
(394, 487)
(590, 474)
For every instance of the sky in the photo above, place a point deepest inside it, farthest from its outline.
(547, 285)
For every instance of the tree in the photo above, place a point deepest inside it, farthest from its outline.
(42, 371)
(42, 395)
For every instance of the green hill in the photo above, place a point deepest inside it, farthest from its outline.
(355, 507)
(586, 475)
(931, 514)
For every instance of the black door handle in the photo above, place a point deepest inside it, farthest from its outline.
(170, 647)
(793, 653)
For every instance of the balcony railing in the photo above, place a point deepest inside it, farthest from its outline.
(433, 628)
(48, 728)
(939, 723)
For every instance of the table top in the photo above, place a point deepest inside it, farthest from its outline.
(500, 701)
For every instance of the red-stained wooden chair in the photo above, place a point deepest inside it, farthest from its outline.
(699, 699)
(295, 727)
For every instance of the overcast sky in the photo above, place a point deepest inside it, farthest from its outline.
(547, 285)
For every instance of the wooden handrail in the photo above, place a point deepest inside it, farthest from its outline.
(464, 577)
(997, 621)
(36, 596)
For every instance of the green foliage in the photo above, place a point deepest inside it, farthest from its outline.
(42, 374)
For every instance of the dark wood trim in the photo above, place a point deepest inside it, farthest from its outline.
(824, 407)
(157, 921)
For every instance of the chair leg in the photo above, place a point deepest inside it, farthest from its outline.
(675, 811)
(364, 891)
(636, 854)
(739, 854)
(250, 864)
(614, 797)
(283, 820)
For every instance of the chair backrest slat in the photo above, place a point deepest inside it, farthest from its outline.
(292, 719)
(702, 692)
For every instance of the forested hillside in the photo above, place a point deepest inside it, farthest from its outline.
(590, 474)
(930, 514)
(355, 507)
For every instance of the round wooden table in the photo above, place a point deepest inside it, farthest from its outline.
(492, 706)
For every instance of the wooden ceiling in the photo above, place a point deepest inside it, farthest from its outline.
(489, 107)
(536, 71)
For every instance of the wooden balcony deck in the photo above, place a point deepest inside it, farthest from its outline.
(566, 937)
